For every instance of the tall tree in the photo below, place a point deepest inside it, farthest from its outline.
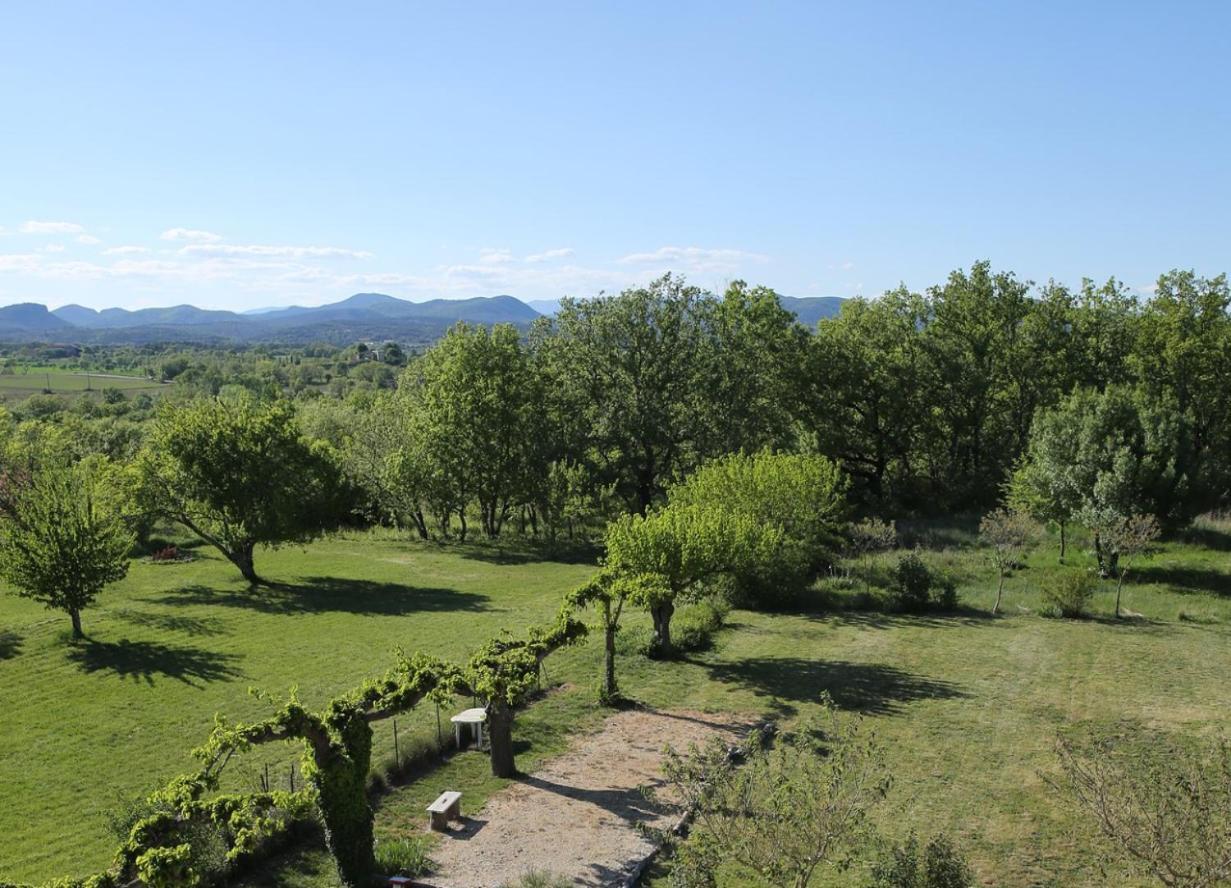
(475, 396)
(632, 367)
(239, 473)
(63, 537)
(864, 403)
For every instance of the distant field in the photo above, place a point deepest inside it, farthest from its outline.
(21, 383)
(967, 705)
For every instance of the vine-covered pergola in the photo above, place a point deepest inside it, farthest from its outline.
(337, 758)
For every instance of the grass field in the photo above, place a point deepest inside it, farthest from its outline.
(967, 705)
(25, 381)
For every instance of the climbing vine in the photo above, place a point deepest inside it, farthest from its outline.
(337, 756)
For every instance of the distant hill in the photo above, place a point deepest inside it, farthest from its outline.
(29, 318)
(363, 316)
(810, 309)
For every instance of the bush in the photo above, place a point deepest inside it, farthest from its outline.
(911, 584)
(1069, 594)
(939, 866)
(403, 857)
(695, 626)
(944, 592)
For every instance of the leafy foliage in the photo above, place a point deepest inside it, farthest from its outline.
(63, 538)
(239, 473)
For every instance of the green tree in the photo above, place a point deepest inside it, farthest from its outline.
(607, 592)
(63, 537)
(864, 405)
(804, 495)
(504, 672)
(630, 369)
(240, 473)
(683, 547)
(474, 395)
(1006, 533)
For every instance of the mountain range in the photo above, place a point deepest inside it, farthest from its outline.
(364, 316)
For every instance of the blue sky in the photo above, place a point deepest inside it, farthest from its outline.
(248, 154)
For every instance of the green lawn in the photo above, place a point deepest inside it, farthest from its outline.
(967, 705)
(23, 382)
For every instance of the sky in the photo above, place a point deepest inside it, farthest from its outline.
(245, 155)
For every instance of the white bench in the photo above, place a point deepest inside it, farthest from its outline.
(448, 806)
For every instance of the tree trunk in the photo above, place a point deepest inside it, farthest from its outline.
(461, 534)
(75, 615)
(999, 593)
(420, 524)
(500, 736)
(241, 557)
(660, 641)
(1119, 587)
(1063, 542)
(340, 782)
(611, 692)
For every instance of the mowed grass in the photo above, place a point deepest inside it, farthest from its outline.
(21, 383)
(967, 705)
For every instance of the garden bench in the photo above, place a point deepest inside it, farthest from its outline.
(448, 806)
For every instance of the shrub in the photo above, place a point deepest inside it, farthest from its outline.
(696, 624)
(404, 856)
(1069, 594)
(944, 592)
(169, 553)
(911, 584)
(939, 866)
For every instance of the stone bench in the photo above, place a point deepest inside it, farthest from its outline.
(448, 806)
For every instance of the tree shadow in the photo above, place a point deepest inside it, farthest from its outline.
(528, 552)
(630, 805)
(1183, 579)
(313, 595)
(195, 626)
(10, 645)
(1207, 537)
(147, 660)
(960, 617)
(864, 687)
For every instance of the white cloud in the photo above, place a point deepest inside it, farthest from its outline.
(54, 248)
(548, 255)
(88, 239)
(495, 257)
(126, 250)
(20, 262)
(695, 259)
(270, 250)
(33, 227)
(190, 234)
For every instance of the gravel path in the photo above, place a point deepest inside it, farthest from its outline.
(576, 817)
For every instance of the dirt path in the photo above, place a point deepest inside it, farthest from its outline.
(577, 816)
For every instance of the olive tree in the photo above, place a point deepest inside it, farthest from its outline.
(63, 536)
(239, 473)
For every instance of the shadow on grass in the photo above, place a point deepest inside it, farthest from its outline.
(865, 687)
(195, 626)
(1183, 579)
(324, 594)
(1207, 538)
(147, 660)
(10, 645)
(528, 552)
(963, 617)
